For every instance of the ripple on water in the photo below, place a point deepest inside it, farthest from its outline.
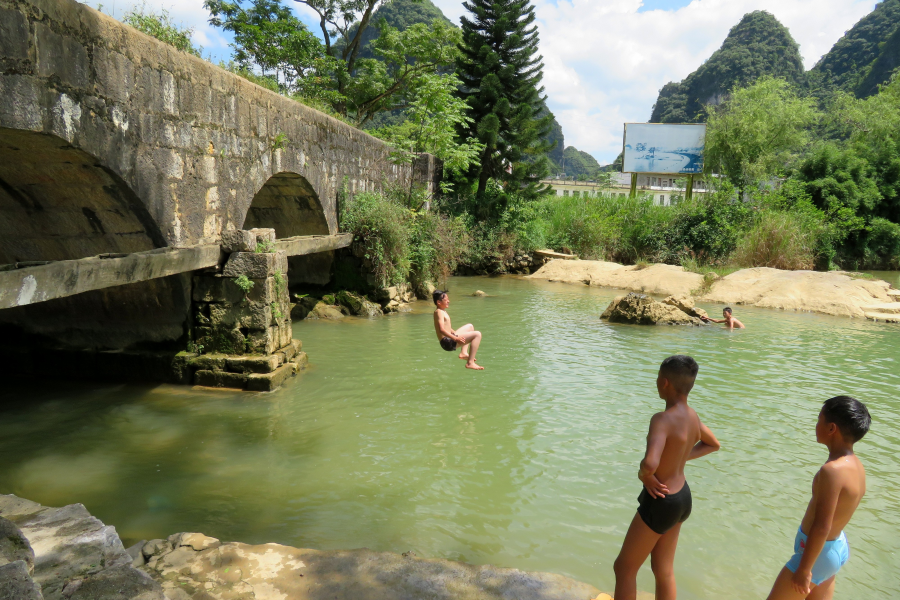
(387, 442)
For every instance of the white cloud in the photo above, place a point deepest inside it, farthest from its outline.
(189, 13)
(604, 61)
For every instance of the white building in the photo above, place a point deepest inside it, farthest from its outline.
(661, 187)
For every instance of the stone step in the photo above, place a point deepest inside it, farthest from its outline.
(76, 555)
(885, 307)
(886, 317)
(894, 293)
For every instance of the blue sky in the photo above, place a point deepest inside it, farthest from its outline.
(605, 60)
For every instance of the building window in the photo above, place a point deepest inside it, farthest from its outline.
(565, 192)
(575, 194)
(662, 200)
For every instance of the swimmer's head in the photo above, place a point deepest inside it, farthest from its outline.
(727, 309)
(437, 296)
(849, 415)
(680, 371)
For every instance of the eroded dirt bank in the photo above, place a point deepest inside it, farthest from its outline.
(832, 293)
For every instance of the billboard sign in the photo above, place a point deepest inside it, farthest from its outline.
(663, 148)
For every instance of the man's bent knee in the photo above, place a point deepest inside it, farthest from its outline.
(624, 568)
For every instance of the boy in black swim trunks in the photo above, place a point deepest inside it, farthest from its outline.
(676, 436)
(450, 340)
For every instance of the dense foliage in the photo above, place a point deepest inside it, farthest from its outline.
(757, 46)
(579, 164)
(501, 72)
(850, 65)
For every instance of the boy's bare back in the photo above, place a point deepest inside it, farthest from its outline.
(678, 429)
(843, 478)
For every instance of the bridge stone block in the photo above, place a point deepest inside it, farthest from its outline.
(255, 265)
(238, 240)
(13, 36)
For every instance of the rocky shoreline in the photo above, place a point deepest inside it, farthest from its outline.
(832, 293)
(67, 554)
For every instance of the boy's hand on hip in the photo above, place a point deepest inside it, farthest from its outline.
(802, 582)
(654, 487)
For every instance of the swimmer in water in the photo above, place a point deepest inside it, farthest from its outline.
(463, 338)
(729, 320)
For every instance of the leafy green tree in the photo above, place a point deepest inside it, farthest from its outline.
(432, 121)
(161, 26)
(404, 58)
(269, 37)
(757, 132)
(501, 74)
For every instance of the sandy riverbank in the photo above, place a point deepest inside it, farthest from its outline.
(832, 293)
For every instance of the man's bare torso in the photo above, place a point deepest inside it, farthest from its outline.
(682, 427)
(851, 476)
(441, 321)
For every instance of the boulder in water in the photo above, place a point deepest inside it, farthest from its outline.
(644, 310)
(686, 304)
(479, 294)
(358, 305)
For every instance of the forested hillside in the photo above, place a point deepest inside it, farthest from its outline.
(399, 14)
(758, 45)
(864, 57)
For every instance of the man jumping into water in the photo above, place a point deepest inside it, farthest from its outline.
(729, 320)
(820, 547)
(676, 436)
(463, 338)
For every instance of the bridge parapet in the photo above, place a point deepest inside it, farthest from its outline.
(194, 142)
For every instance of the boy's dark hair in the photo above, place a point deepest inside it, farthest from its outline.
(727, 309)
(681, 371)
(437, 296)
(849, 414)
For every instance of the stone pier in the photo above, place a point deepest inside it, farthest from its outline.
(242, 318)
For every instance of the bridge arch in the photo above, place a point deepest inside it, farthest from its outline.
(288, 204)
(58, 202)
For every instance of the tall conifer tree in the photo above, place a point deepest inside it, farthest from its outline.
(501, 73)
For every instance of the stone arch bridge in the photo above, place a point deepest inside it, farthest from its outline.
(122, 163)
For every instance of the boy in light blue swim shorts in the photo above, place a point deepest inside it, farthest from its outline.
(821, 548)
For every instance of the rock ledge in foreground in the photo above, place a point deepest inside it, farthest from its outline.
(191, 565)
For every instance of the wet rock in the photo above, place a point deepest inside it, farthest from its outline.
(14, 546)
(643, 310)
(424, 289)
(479, 294)
(685, 304)
(358, 305)
(325, 311)
(17, 584)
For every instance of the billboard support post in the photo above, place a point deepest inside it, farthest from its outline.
(633, 192)
(689, 191)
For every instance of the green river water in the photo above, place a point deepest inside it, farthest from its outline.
(387, 442)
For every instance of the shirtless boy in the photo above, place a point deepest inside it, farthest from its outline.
(820, 547)
(729, 320)
(676, 436)
(450, 340)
